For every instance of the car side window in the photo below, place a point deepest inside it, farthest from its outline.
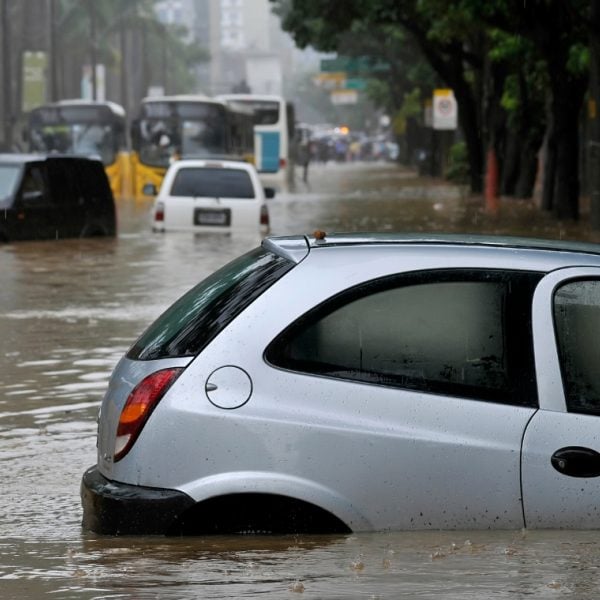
(577, 322)
(463, 334)
(33, 186)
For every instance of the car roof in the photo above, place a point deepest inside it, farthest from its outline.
(22, 158)
(212, 163)
(297, 247)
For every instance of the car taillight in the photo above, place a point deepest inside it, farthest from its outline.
(264, 215)
(159, 213)
(282, 163)
(139, 406)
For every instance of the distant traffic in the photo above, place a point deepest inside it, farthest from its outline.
(257, 129)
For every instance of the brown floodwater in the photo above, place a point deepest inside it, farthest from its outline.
(69, 309)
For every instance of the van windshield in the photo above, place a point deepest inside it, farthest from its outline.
(190, 324)
(9, 178)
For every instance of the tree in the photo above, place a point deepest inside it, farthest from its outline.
(323, 24)
(467, 42)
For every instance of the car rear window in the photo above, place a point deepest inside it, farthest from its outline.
(197, 317)
(213, 182)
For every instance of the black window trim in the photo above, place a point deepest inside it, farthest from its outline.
(520, 351)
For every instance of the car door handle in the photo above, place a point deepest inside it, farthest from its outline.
(576, 461)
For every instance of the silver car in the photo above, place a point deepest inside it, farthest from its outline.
(337, 383)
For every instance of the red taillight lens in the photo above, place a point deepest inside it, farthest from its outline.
(159, 213)
(282, 163)
(139, 406)
(264, 215)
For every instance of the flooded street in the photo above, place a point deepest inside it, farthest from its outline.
(71, 308)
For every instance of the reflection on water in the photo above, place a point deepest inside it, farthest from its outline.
(69, 309)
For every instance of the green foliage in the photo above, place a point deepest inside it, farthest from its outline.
(74, 24)
(579, 59)
(458, 164)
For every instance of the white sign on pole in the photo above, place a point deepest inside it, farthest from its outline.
(344, 97)
(445, 109)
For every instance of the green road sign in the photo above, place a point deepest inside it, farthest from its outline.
(354, 65)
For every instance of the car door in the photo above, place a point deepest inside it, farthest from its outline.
(415, 392)
(36, 211)
(561, 447)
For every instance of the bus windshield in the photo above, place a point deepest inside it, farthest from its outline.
(93, 141)
(168, 129)
(92, 131)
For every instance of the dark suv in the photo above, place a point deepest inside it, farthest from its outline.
(52, 197)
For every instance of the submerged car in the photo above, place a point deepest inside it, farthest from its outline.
(53, 197)
(210, 196)
(337, 383)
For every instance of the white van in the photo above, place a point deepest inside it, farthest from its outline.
(210, 196)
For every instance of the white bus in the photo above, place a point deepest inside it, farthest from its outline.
(273, 136)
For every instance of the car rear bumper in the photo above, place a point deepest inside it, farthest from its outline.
(114, 508)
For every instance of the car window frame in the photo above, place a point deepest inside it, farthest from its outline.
(520, 366)
(570, 405)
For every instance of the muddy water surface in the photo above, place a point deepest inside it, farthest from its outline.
(69, 309)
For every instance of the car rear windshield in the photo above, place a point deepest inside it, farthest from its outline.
(213, 182)
(197, 317)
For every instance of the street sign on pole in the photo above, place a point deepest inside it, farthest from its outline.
(34, 79)
(445, 109)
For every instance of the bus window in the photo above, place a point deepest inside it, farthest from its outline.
(273, 136)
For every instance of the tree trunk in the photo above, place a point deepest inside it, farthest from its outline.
(511, 164)
(567, 99)
(594, 116)
(467, 116)
(528, 167)
(549, 169)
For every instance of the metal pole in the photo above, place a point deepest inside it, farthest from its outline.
(164, 60)
(6, 77)
(93, 49)
(53, 57)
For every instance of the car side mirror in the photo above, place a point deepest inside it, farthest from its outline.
(149, 189)
(269, 192)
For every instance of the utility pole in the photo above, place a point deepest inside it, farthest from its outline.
(53, 53)
(165, 70)
(93, 53)
(7, 86)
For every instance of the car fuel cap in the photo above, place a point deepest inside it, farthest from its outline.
(228, 387)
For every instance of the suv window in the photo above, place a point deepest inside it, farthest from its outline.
(577, 321)
(213, 182)
(464, 334)
(197, 317)
(33, 185)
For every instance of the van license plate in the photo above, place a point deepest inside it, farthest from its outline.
(209, 216)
